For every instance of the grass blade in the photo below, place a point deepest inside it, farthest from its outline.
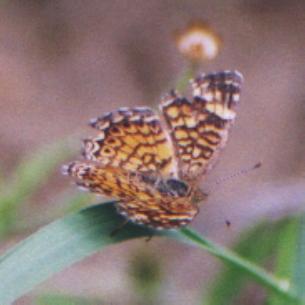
(76, 236)
(256, 245)
(299, 268)
(59, 245)
(285, 256)
(258, 274)
(290, 263)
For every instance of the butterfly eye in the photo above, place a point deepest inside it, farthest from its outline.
(177, 187)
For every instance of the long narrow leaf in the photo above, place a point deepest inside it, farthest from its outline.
(299, 268)
(59, 245)
(290, 262)
(284, 257)
(256, 245)
(74, 237)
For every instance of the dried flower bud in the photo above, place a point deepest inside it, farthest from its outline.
(198, 42)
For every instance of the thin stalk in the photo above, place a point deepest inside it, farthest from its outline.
(186, 75)
(278, 286)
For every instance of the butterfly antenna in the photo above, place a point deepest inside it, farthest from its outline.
(239, 173)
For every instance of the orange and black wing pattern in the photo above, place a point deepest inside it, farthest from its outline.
(152, 169)
(133, 139)
(140, 198)
(114, 182)
(199, 128)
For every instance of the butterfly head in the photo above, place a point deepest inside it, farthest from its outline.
(173, 187)
(180, 189)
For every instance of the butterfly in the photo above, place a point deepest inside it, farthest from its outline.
(152, 164)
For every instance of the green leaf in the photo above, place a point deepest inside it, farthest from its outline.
(256, 245)
(245, 266)
(285, 256)
(299, 268)
(76, 236)
(59, 245)
(290, 262)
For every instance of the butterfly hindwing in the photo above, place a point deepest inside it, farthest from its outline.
(142, 198)
(153, 170)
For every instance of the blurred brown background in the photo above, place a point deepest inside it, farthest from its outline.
(63, 62)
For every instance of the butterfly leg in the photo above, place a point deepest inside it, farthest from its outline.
(149, 238)
(119, 228)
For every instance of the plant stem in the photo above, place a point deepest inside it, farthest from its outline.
(280, 287)
(186, 75)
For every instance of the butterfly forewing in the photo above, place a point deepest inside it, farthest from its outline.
(131, 138)
(154, 170)
(199, 128)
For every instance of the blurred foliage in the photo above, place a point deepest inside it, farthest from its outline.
(27, 178)
(74, 202)
(57, 299)
(30, 175)
(277, 244)
(299, 267)
(289, 258)
(146, 274)
(256, 245)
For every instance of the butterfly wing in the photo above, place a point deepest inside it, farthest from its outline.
(115, 182)
(139, 198)
(199, 128)
(133, 139)
(133, 153)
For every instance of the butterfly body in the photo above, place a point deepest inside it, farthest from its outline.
(153, 165)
